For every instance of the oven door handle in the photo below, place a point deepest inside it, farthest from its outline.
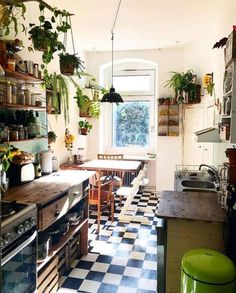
(18, 249)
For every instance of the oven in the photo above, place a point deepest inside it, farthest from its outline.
(18, 247)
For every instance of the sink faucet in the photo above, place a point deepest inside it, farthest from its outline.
(213, 172)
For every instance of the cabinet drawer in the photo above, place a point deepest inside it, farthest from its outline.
(51, 213)
(75, 194)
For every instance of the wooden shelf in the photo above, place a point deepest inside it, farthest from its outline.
(21, 76)
(19, 106)
(29, 139)
(64, 239)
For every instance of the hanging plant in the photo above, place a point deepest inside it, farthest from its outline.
(69, 63)
(10, 16)
(44, 36)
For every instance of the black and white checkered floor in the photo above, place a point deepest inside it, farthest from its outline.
(121, 258)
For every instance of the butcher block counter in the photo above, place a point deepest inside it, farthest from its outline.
(47, 188)
(191, 220)
(58, 196)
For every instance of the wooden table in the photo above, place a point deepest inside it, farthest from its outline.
(105, 165)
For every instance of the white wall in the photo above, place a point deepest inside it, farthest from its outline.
(57, 123)
(203, 59)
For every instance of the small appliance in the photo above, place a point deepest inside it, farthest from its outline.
(19, 174)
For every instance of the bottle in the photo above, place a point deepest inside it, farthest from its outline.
(31, 123)
(38, 125)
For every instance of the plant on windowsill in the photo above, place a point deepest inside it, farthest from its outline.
(84, 127)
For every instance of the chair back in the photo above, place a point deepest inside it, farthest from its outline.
(110, 156)
(106, 191)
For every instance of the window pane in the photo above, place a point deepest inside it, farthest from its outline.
(132, 83)
(131, 124)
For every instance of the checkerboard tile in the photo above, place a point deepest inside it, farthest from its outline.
(122, 257)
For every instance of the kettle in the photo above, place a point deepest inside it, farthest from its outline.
(46, 161)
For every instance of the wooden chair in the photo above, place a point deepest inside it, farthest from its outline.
(103, 199)
(110, 156)
(118, 175)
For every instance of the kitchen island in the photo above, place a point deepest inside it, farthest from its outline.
(191, 220)
(58, 197)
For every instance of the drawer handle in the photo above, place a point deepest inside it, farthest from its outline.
(57, 213)
(76, 193)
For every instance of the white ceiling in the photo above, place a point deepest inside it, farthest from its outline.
(141, 24)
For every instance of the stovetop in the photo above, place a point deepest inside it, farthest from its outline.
(9, 208)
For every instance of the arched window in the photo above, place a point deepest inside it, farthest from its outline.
(129, 127)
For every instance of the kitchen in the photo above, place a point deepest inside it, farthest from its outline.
(197, 54)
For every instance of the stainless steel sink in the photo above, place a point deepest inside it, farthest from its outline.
(199, 190)
(198, 184)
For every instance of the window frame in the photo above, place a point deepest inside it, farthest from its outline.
(131, 96)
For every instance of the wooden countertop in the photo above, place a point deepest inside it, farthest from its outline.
(46, 188)
(190, 206)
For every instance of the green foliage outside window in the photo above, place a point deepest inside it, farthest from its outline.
(131, 124)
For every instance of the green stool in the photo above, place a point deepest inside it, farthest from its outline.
(207, 271)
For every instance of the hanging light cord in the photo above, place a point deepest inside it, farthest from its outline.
(112, 39)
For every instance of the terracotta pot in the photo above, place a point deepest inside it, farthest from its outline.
(67, 69)
(83, 131)
(231, 155)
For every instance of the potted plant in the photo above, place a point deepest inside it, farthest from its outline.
(69, 63)
(51, 137)
(89, 107)
(184, 86)
(85, 127)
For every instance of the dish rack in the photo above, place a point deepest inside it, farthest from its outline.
(190, 170)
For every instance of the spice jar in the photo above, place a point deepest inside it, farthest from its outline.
(14, 135)
(11, 64)
(36, 70)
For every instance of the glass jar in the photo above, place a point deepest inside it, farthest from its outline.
(21, 132)
(21, 97)
(11, 64)
(9, 93)
(14, 93)
(14, 135)
(27, 94)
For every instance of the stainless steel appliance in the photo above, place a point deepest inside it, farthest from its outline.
(18, 247)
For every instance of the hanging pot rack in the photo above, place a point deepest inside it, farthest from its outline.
(11, 2)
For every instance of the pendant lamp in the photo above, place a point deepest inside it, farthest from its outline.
(112, 96)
